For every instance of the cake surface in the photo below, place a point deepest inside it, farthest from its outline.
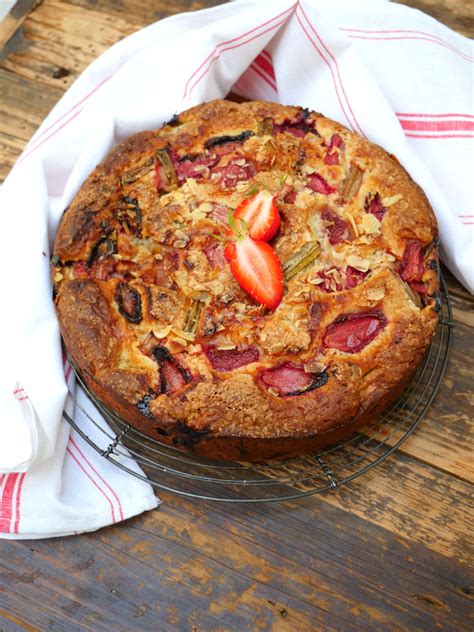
(164, 335)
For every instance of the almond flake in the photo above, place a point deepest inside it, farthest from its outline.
(163, 332)
(389, 201)
(316, 281)
(240, 307)
(205, 207)
(183, 334)
(226, 347)
(356, 370)
(313, 366)
(358, 263)
(375, 294)
(370, 224)
(241, 162)
(353, 225)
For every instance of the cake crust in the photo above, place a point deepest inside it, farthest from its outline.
(163, 334)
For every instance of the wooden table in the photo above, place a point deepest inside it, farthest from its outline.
(388, 552)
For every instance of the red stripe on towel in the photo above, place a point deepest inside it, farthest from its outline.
(188, 89)
(94, 482)
(437, 126)
(112, 491)
(334, 60)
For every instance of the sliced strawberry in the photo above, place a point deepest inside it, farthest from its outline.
(260, 214)
(257, 269)
(332, 157)
(352, 332)
(373, 204)
(337, 228)
(412, 265)
(230, 359)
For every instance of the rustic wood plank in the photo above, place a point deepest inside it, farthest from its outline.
(237, 568)
(59, 40)
(22, 108)
(15, 18)
(147, 11)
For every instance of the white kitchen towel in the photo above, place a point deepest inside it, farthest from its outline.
(386, 71)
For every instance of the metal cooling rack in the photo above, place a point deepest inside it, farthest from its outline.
(173, 470)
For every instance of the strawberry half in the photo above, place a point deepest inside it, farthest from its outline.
(261, 215)
(257, 269)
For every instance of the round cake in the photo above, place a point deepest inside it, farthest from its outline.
(234, 342)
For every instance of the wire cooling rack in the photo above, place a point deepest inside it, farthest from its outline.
(173, 470)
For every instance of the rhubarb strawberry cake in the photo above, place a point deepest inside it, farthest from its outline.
(249, 281)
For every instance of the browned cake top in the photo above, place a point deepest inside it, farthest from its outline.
(151, 313)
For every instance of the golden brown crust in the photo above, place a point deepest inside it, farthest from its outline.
(142, 292)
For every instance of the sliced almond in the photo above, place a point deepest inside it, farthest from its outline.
(183, 334)
(314, 366)
(370, 224)
(375, 294)
(351, 221)
(205, 207)
(356, 370)
(162, 332)
(358, 263)
(389, 201)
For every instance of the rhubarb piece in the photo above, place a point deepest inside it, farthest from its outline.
(129, 302)
(318, 184)
(352, 332)
(337, 228)
(230, 359)
(137, 172)
(413, 295)
(219, 213)
(215, 255)
(164, 170)
(192, 319)
(412, 265)
(301, 260)
(290, 380)
(265, 127)
(373, 205)
(352, 183)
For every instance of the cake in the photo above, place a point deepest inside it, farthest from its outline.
(162, 327)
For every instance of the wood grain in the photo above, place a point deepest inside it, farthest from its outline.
(392, 551)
